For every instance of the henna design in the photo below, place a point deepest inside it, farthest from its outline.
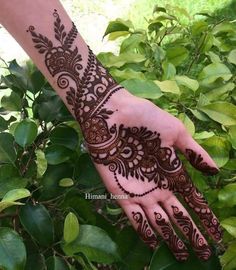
(200, 247)
(197, 161)
(175, 244)
(144, 230)
(126, 151)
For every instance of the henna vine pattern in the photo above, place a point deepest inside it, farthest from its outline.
(175, 244)
(144, 230)
(127, 151)
(200, 247)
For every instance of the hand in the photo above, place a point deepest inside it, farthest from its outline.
(132, 143)
(134, 151)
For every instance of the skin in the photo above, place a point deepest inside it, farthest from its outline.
(132, 142)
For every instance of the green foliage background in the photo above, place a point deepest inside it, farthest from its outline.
(188, 69)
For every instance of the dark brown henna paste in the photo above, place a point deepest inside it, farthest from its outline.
(144, 230)
(197, 161)
(173, 241)
(202, 250)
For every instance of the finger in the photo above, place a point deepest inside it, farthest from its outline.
(139, 221)
(161, 223)
(196, 155)
(186, 225)
(194, 198)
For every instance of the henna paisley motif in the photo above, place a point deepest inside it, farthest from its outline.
(144, 230)
(175, 244)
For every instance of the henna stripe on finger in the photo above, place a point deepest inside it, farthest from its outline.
(199, 244)
(144, 230)
(175, 244)
(197, 161)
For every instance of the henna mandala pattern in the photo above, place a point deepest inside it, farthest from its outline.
(126, 151)
(144, 230)
(175, 244)
(197, 161)
(198, 243)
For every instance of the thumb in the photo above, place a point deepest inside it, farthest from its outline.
(195, 154)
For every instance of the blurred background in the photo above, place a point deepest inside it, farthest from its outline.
(92, 17)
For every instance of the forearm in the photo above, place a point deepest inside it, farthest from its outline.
(47, 34)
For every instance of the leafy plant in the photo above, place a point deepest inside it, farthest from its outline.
(188, 70)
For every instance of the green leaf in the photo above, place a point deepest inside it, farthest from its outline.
(64, 135)
(218, 148)
(200, 115)
(220, 93)
(232, 57)
(37, 222)
(56, 154)
(221, 112)
(198, 27)
(224, 27)
(177, 55)
(186, 81)
(12, 250)
(41, 162)
(66, 182)
(232, 136)
(111, 60)
(228, 260)
(35, 261)
(9, 179)
(56, 263)
(169, 71)
(37, 81)
(131, 42)
(163, 259)
(3, 124)
(25, 132)
(135, 252)
(214, 71)
(214, 57)
(71, 228)
(141, 88)
(230, 225)
(7, 150)
(4, 205)
(188, 123)
(206, 42)
(117, 34)
(203, 135)
(16, 194)
(95, 244)
(227, 195)
(118, 25)
(125, 74)
(168, 86)
(12, 102)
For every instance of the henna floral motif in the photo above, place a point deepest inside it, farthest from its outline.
(197, 161)
(198, 243)
(131, 152)
(175, 244)
(144, 230)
